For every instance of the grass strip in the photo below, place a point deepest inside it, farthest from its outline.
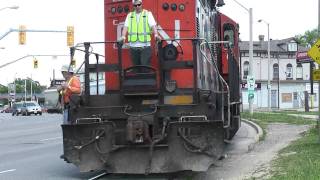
(300, 160)
(264, 118)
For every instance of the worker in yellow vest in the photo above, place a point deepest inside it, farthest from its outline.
(139, 24)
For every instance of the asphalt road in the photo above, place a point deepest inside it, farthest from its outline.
(30, 147)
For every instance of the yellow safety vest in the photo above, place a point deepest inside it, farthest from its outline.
(141, 31)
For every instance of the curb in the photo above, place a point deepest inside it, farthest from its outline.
(256, 127)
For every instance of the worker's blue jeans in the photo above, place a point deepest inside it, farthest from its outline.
(65, 116)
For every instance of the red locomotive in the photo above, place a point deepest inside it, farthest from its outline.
(173, 117)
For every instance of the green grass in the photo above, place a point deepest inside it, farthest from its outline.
(300, 160)
(298, 112)
(264, 118)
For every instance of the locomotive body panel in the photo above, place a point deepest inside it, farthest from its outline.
(176, 116)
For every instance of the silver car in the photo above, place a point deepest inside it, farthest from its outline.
(31, 107)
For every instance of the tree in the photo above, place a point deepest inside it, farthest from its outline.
(36, 87)
(3, 89)
(308, 38)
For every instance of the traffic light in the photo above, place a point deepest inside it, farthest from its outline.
(73, 62)
(22, 34)
(70, 35)
(35, 63)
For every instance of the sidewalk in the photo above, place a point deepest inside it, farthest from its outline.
(284, 109)
(312, 117)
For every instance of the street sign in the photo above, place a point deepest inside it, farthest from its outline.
(302, 57)
(251, 83)
(251, 86)
(314, 52)
(245, 85)
(316, 74)
(250, 95)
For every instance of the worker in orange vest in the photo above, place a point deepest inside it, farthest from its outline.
(71, 86)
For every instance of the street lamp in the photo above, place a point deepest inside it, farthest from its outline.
(15, 88)
(9, 7)
(250, 50)
(268, 86)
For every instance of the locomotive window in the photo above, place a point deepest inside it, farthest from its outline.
(228, 35)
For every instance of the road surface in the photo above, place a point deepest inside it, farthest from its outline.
(30, 147)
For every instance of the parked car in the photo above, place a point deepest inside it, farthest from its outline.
(31, 107)
(6, 109)
(16, 108)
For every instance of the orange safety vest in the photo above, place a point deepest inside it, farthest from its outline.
(74, 87)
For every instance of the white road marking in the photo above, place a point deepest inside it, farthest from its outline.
(48, 139)
(96, 177)
(9, 170)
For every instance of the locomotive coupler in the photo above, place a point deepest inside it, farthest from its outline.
(138, 130)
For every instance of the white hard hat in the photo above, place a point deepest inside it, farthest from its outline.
(66, 68)
(136, 1)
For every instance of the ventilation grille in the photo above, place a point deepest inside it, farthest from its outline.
(214, 37)
(198, 28)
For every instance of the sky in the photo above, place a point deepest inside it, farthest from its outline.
(287, 18)
(86, 16)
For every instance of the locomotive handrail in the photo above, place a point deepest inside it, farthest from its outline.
(233, 103)
(102, 107)
(96, 118)
(138, 66)
(174, 39)
(202, 45)
(220, 77)
(87, 46)
(201, 116)
(215, 42)
(139, 115)
(163, 64)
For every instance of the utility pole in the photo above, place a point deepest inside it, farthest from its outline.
(250, 52)
(31, 88)
(15, 88)
(25, 90)
(9, 95)
(268, 85)
(318, 122)
(26, 56)
(30, 30)
(9, 7)
(251, 58)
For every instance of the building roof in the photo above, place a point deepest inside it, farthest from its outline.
(275, 45)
